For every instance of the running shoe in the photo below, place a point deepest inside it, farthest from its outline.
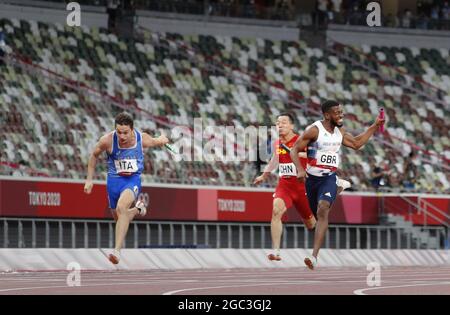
(274, 257)
(114, 257)
(345, 184)
(311, 262)
(141, 208)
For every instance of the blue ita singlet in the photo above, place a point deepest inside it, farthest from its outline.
(126, 161)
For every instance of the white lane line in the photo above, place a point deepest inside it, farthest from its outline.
(234, 286)
(317, 276)
(361, 291)
(230, 273)
(92, 285)
(254, 284)
(279, 282)
(203, 277)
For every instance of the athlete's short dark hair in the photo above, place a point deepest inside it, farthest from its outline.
(289, 115)
(124, 119)
(328, 104)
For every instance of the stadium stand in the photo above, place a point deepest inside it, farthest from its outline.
(68, 81)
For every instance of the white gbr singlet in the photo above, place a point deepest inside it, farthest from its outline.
(323, 154)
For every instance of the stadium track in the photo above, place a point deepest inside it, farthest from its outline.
(269, 281)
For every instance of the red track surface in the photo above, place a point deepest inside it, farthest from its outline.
(293, 281)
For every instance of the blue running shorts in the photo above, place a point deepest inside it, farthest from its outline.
(116, 185)
(320, 188)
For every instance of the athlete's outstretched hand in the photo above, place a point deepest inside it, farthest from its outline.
(88, 186)
(258, 180)
(301, 175)
(163, 140)
(380, 121)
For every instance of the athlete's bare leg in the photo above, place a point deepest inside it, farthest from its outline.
(276, 226)
(124, 216)
(323, 210)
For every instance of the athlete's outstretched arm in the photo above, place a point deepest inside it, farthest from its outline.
(273, 163)
(102, 145)
(310, 135)
(357, 142)
(150, 142)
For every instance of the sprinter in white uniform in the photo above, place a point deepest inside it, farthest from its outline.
(323, 140)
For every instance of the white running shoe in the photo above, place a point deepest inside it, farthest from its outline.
(343, 183)
(311, 262)
(114, 257)
(141, 208)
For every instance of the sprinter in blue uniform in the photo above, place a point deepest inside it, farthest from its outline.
(125, 150)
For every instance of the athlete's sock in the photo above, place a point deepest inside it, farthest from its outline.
(277, 252)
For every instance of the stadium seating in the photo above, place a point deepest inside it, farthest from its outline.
(51, 126)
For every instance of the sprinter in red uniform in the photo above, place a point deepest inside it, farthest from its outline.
(289, 190)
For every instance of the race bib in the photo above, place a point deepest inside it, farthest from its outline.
(327, 159)
(126, 166)
(287, 169)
